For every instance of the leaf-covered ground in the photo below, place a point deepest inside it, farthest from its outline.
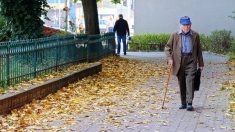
(112, 87)
(230, 85)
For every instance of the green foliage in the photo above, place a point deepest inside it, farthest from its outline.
(232, 49)
(149, 42)
(205, 42)
(23, 17)
(5, 34)
(116, 1)
(62, 33)
(231, 52)
(151, 38)
(220, 41)
(163, 38)
(2, 22)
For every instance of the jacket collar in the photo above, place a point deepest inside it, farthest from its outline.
(193, 34)
(181, 32)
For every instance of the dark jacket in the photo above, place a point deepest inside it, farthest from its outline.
(121, 26)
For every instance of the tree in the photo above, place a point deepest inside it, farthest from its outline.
(23, 17)
(91, 15)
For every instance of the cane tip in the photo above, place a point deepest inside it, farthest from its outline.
(163, 107)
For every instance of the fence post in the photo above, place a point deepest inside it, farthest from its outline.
(35, 59)
(87, 48)
(57, 53)
(8, 64)
(114, 43)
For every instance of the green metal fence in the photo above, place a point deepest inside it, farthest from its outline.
(27, 59)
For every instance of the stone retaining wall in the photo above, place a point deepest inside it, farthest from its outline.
(17, 100)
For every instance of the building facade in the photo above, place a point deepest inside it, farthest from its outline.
(106, 11)
(57, 14)
(162, 16)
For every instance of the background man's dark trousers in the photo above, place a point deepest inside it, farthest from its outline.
(123, 38)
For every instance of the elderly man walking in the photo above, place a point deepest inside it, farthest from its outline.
(184, 55)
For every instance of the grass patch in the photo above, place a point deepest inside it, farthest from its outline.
(232, 98)
(231, 56)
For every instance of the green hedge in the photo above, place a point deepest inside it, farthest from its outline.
(205, 42)
(219, 41)
(231, 52)
(148, 42)
(152, 42)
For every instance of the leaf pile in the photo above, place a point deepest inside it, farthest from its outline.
(230, 85)
(117, 82)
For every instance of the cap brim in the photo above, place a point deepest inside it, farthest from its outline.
(185, 23)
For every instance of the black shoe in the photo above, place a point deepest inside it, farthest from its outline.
(189, 108)
(183, 107)
(124, 53)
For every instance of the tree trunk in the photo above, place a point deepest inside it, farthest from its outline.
(91, 16)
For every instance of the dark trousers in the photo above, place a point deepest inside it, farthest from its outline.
(123, 38)
(186, 77)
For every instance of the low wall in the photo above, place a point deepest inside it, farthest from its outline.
(10, 102)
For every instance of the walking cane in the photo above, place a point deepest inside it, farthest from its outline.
(166, 87)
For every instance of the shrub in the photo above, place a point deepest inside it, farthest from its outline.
(231, 52)
(2, 22)
(205, 42)
(220, 41)
(232, 49)
(23, 17)
(163, 38)
(149, 42)
(5, 33)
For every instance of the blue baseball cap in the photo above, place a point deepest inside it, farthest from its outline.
(185, 20)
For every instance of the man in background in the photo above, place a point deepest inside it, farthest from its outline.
(122, 29)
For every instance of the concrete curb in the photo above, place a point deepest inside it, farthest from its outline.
(17, 100)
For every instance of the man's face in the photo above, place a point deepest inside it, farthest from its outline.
(186, 28)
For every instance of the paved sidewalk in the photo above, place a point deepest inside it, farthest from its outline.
(210, 103)
(146, 115)
(140, 110)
